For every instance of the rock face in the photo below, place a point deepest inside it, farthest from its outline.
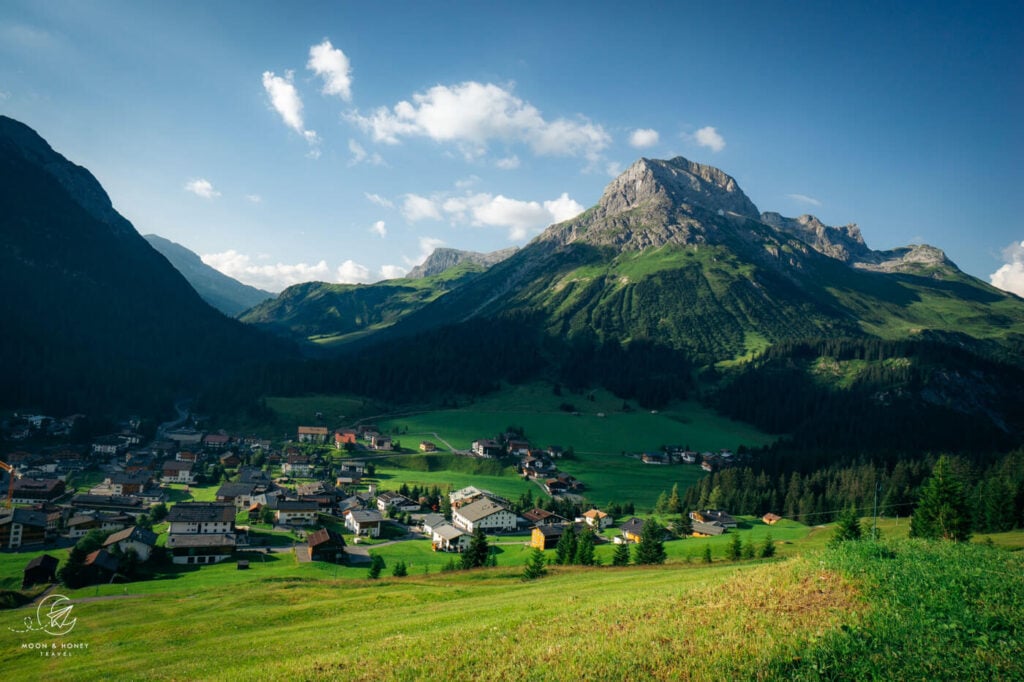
(842, 243)
(444, 258)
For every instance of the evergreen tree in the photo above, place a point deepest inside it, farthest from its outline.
(768, 548)
(942, 511)
(707, 553)
(476, 554)
(535, 565)
(848, 527)
(565, 550)
(400, 570)
(661, 506)
(376, 566)
(735, 549)
(674, 504)
(651, 548)
(584, 555)
(749, 552)
(621, 555)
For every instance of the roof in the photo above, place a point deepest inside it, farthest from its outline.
(313, 430)
(101, 558)
(555, 531)
(595, 514)
(175, 465)
(432, 520)
(712, 528)
(86, 499)
(45, 561)
(480, 509)
(28, 517)
(447, 532)
(297, 505)
(537, 514)
(217, 438)
(176, 540)
(634, 526)
(324, 536)
(201, 512)
(365, 516)
(236, 489)
(146, 537)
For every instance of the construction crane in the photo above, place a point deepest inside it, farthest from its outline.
(10, 486)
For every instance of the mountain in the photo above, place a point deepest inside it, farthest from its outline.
(443, 258)
(227, 295)
(95, 319)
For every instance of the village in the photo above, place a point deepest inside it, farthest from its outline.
(193, 497)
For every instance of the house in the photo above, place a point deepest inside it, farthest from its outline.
(253, 475)
(138, 540)
(326, 545)
(177, 472)
(216, 441)
(448, 538)
(296, 512)
(101, 566)
(42, 569)
(109, 445)
(465, 496)
(230, 460)
(297, 465)
(654, 458)
(427, 446)
(486, 514)
(343, 438)
(201, 532)
(185, 438)
(364, 522)
(706, 529)
(352, 468)
(312, 434)
(125, 484)
(487, 448)
(553, 486)
(771, 519)
(80, 524)
(21, 527)
(518, 447)
(712, 515)
(706, 465)
(123, 504)
(542, 517)
(632, 530)
(380, 442)
(392, 500)
(32, 490)
(241, 495)
(431, 521)
(547, 537)
(186, 456)
(595, 518)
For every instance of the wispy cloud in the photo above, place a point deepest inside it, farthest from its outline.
(286, 101)
(379, 200)
(359, 155)
(202, 187)
(508, 163)
(643, 137)
(333, 66)
(710, 138)
(1010, 277)
(471, 115)
(804, 199)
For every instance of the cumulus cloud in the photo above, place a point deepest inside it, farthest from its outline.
(804, 199)
(416, 208)
(472, 114)
(202, 188)
(359, 154)
(1010, 277)
(379, 200)
(351, 272)
(333, 66)
(286, 101)
(521, 218)
(710, 138)
(643, 137)
(392, 271)
(378, 228)
(270, 277)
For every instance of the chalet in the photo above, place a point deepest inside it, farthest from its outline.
(547, 537)
(518, 447)
(312, 434)
(21, 527)
(138, 540)
(32, 490)
(297, 465)
(185, 438)
(42, 569)
(392, 500)
(364, 522)
(771, 519)
(201, 532)
(654, 458)
(313, 489)
(556, 451)
(427, 446)
(448, 538)
(100, 566)
(536, 463)
(380, 442)
(186, 456)
(487, 448)
(126, 484)
(343, 438)
(632, 530)
(353, 467)
(486, 514)
(109, 445)
(125, 504)
(571, 482)
(706, 529)
(431, 521)
(216, 441)
(553, 486)
(80, 524)
(595, 518)
(326, 545)
(230, 460)
(714, 515)
(253, 475)
(174, 471)
(295, 512)
(465, 496)
(241, 495)
(542, 517)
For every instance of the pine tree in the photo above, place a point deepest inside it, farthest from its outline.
(707, 554)
(478, 551)
(651, 549)
(535, 565)
(942, 507)
(565, 550)
(768, 548)
(735, 550)
(674, 504)
(848, 527)
(376, 566)
(748, 549)
(682, 526)
(621, 555)
(584, 555)
(400, 570)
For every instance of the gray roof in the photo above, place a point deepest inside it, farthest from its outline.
(447, 532)
(432, 520)
(713, 528)
(201, 512)
(480, 509)
(146, 537)
(201, 540)
(236, 489)
(366, 516)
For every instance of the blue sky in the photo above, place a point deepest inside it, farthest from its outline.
(342, 141)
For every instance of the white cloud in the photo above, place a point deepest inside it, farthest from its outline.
(804, 199)
(351, 272)
(472, 114)
(201, 188)
(254, 198)
(508, 163)
(333, 66)
(379, 228)
(393, 271)
(710, 138)
(359, 154)
(379, 200)
(466, 183)
(1010, 277)
(286, 101)
(521, 218)
(270, 277)
(416, 208)
(643, 137)
(427, 246)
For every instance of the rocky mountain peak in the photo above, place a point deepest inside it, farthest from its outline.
(843, 243)
(444, 258)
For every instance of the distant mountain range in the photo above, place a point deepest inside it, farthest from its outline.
(224, 293)
(95, 320)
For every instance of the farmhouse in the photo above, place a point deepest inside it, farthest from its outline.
(596, 518)
(177, 472)
(448, 538)
(126, 484)
(229, 460)
(364, 522)
(20, 527)
(546, 537)
(296, 512)
(771, 519)
(242, 495)
(32, 490)
(312, 434)
(201, 532)
(42, 569)
(380, 442)
(392, 500)
(427, 446)
(100, 566)
(138, 540)
(297, 465)
(487, 448)
(80, 524)
(344, 437)
(486, 514)
(714, 515)
(632, 530)
(216, 441)
(542, 517)
(702, 529)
